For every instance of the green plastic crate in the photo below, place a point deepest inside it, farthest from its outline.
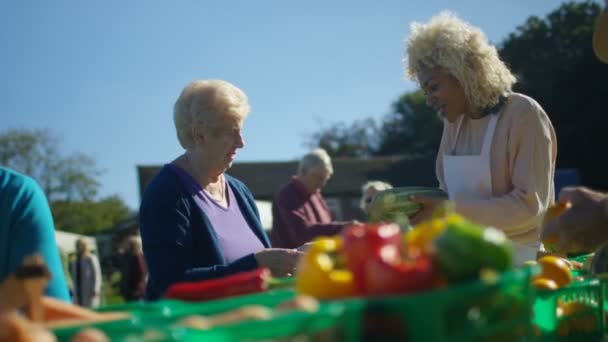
(582, 259)
(159, 323)
(584, 325)
(288, 325)
(156, 321)
(153, 316)
(139, 332)
(161, 308)
(324, 325)
(497, 310)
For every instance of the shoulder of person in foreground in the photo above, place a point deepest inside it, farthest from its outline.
(31, 228)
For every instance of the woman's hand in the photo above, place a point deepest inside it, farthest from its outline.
(429, 205)
(582, 228)
(281, 262)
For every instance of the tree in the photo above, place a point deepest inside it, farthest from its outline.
(412, 128)
(342, 140)
(89, 217)
(69, 182)
(36, 153)
(554, 62)
(564, 76)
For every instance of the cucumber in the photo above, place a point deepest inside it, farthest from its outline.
(388, 203)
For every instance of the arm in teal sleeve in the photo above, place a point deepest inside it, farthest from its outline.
(32, 231)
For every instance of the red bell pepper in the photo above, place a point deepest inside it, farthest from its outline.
(365, 241)
(232, 285)
(389, 273)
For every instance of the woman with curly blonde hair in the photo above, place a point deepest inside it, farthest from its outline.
(498, 148)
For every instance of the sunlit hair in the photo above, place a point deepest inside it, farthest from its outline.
(462, 50)
(204, 104)
(315, 159)
(134, 244)
(82, 242)
(376, 185)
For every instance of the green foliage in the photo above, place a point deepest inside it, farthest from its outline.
(35, 152)
(89, 217)
(110, 290)
(69, 182)
(555, 64)
(412, 128)
(339, 139)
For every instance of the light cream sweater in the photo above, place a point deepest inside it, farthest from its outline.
(522, 163)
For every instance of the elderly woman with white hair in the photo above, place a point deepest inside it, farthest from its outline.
(369, 190)
(299, 211)
(498, 149)
(197, 222)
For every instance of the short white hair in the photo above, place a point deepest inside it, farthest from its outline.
(315, 159)
(203, 103)
(376, 185)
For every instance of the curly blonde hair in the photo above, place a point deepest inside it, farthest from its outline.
(462, 50)
(204, 103)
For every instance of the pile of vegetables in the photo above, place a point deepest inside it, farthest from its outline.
(378, 259)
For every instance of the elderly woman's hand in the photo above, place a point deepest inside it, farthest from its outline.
(582, 228)
(281, 262)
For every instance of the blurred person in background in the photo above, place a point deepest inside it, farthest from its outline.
(86, 276)
(26, 228)
(369, 190)
(133, 272)
(299, 211)
(197, 222)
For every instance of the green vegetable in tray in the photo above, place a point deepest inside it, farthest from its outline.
(464, 248)
(395, 205)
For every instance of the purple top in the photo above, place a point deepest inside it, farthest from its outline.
(235, 237)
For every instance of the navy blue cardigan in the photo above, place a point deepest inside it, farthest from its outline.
(179, 242)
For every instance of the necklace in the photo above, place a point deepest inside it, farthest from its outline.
(218, 192)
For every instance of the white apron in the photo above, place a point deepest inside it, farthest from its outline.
(470, 177)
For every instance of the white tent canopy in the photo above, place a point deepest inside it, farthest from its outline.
(67, 241)
(265, 209)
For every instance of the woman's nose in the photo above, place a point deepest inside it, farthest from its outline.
(240, 142)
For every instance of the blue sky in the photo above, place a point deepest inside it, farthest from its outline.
(103, 75)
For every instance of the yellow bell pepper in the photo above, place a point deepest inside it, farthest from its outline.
(318, 273)
(423, 234)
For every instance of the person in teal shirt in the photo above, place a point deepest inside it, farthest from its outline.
(26, 228)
